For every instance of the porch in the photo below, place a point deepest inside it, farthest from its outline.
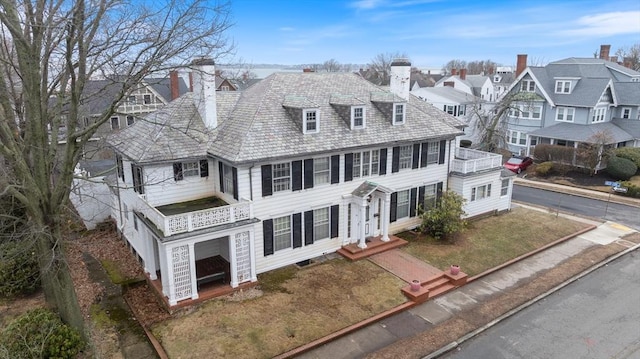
(375, 245)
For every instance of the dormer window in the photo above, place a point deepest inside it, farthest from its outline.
(563, 86)
(357, 117)
(528, 86)
(398, 113)
(310, 121)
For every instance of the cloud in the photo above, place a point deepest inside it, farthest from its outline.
(606, 24)
(286, 29)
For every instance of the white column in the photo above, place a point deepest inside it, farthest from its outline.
(233, 262)
(171, 287)
(192, 269)
(361, 241)
(252, 253)
(384, 220)
(150, 265)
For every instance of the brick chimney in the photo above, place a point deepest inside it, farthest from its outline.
(454, 72)
(604, 52)
(175, 84)
(204, 90)
(463, 74)
(308, 70)
(521, 64)
(400, 75)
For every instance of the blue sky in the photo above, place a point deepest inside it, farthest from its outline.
(431, 32)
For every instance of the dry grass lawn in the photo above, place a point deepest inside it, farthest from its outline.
(296, 307)
(492, 241)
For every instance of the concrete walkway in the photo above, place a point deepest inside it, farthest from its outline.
(426, 315)
(405, 266)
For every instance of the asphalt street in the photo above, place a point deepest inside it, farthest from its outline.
(597, 316)
(620, 213)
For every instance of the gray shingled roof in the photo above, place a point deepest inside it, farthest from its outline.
(594, 76)
(259, 128)
(450, 93)
(583, 133)
(174, 132)
(630, 126)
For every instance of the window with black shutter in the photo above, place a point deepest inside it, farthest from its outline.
(348, 167)
(416, 156)
(308, 173)
(335, 169)
(335, 210)
(423, 154)
(443, 148)
(204, 168)
(267, 189)
(297, 230)
(383, 162)
(393, 208)
(412, 204)
(296, 175)
(308, 227)
(177, 171)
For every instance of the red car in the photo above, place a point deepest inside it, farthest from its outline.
(518, 164)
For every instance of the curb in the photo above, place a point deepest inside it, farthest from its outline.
(513, 311)
(579, 191)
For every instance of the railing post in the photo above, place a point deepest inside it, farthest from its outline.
(166, 229)
(232, 213)
(189, 222)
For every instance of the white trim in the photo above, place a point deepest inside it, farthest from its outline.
(404, 114)
(305, 115)
(563, 86)
(364, 117)
(565, 112)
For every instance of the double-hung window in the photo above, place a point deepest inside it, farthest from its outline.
(406, 157)
(398, 113)
(321, 229)
(227, 179)
(504, 189)
(430, 197)
(563, 86)
(366, 163)
(598, 114)
(357, 117)
(480, 192)
(281, 177)
(528, 86)
(433, 152)
(310, 121)
(115, 123)
(565, 114)
(626, 112)
(321, 170)
(191, 169)
(282, 233)
(403, 204)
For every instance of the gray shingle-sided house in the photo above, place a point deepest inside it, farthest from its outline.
(221, 186)
(572, 101)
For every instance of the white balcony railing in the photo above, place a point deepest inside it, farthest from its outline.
(470, 161)
(191, 221)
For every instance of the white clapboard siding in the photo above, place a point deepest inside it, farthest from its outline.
(463, 185)
(161, 188)
(210, 248)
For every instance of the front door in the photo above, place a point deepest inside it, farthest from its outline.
(372, 214)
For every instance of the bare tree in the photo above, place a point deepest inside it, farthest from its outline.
(332, 65)
(380, 67)
(50, 49)
(593, 151)
(454, 64)
(478, 67)
(630, 56)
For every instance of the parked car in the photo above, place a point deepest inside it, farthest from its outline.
(518, 164)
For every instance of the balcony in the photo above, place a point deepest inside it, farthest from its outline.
(470, 161)
(193, 215)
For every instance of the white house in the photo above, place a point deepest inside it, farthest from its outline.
(223, 186)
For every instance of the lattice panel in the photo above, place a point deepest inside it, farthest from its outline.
(181, 272)
(243, 211)
(243, 257)
(178, 224)
(212, 217)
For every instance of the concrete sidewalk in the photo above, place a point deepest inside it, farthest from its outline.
(424, 316)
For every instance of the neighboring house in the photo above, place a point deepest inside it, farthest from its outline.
(454, 102)
(152, 94)
(223, 84)
(420, 79)
(476, 85)
(296, 166)
(501, 83)
(572, 101)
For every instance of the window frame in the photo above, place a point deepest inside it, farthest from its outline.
(403, 113)
(403, 205)
(526, 86)
(366, 163)
(227, 179)
(433, 152)
(628, 111)
(599, 114)
(354, 125)
(130, 120)
(278, 183)
(504, 187)
(405, 158)
(147, 99)
(563, 86)
(282, 230)
(306, 114)
(319, 221)
(191, 169)
(116, 118)
(321, 175)
(430, 195)
(565, 112)
(481, 192)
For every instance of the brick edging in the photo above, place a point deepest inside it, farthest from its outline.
(162, 354)
(532, 253)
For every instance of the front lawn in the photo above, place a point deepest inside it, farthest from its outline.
(492, 241)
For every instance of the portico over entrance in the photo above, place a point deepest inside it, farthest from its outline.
(371, 204)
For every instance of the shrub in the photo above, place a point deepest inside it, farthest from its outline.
(18, 269)
(621, 168)
(40, 333)
(555, 153)
(630, 153)
(445, 219)
(544, 168)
